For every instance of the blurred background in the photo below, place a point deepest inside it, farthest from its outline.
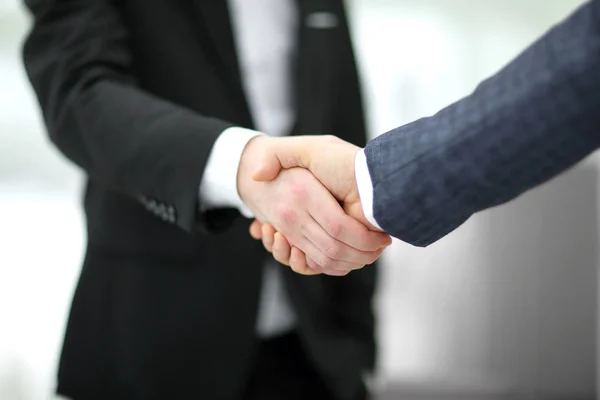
(506, 307)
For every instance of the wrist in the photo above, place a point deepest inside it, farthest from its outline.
(218, 188)
(364, 189)
(244, 180)
(355, 194)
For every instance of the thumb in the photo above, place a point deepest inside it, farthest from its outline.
(289, 153)
(268, 169)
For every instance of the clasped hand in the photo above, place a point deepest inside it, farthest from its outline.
(310, 217)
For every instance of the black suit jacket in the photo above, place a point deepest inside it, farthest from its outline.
(136, 92)
(535, 118)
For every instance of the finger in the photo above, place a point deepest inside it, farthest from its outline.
(337, 224)
(256, 229)
(268, 234)
(336, 249)
(314, 266)
(324, 263)
(298, 263)
(305, 233)
(281, 249)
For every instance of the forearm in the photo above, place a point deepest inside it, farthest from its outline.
(129, 140)
(535, 118)
(137, 144)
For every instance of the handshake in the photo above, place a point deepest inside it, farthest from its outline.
(303, 194)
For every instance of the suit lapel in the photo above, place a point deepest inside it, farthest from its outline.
(215, 31)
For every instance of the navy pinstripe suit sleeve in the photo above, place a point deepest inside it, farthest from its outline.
(535, 118)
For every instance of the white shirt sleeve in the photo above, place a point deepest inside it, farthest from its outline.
(365, 186)
(218, 187)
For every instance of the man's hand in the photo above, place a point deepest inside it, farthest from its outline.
(331, 161)
(282, 251)
(305, 213)
(328, 158)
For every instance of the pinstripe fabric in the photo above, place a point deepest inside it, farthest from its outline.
(535, 118)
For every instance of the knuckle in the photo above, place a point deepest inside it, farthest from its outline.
(286, 214)
(334, 228)
(278, 258)
(313, 265)
(281, 259)
(338, 273)
(296, 269)
(373, 257)
(333, 250)
(369, 240)
(327, 262)
(299, 192)
(357, 267)
(289, 159)
(286, 263)
(267, 237)
(304, 269)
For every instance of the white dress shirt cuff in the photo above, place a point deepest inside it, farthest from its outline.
(218, 188)
(365, 186)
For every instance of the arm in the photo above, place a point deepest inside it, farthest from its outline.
(535, 118)
(130, 141)
(77, 59)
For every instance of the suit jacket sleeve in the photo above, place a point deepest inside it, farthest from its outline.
(535, 118)
(79, 64)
